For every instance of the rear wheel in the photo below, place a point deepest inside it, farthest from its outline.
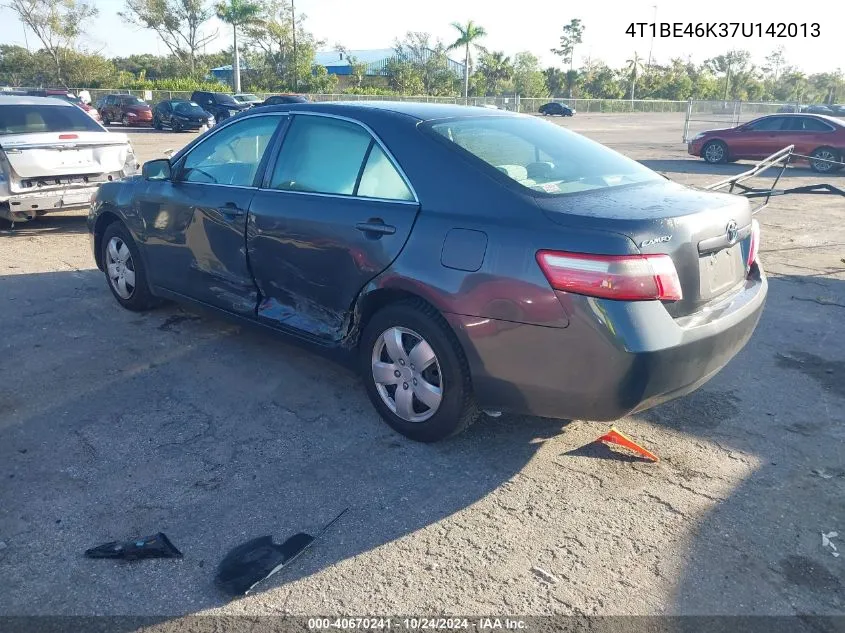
(125, 120)
(415, 373)
(124, 269)
(825, 154)
(715, 152)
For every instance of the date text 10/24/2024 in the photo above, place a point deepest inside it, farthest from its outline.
(724, 29)
(415, 624)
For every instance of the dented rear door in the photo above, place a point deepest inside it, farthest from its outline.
(335, 211)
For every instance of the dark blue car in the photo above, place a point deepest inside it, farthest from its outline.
(470, 259)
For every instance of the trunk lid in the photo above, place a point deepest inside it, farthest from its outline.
(707, 235)
(65, 153)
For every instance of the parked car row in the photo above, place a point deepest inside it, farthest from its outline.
(204, 108)
(829, 109)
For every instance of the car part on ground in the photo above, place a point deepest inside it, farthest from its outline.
(569, 281)
(256, 560)
(54, 157)
(155, 546)
(781, 158)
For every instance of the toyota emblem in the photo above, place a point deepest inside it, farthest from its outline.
(732, 231)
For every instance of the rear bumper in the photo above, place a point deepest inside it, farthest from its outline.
(614, 358)
(20, 207)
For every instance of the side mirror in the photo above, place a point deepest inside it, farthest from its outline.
(158, 169)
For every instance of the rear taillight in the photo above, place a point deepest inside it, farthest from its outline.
(754, 247)
(67, 137)
(623, 277)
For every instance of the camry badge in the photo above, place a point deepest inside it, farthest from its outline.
(656, 240)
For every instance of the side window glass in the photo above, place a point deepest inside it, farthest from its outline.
(381, 180)
(814, 125)
(321, 155)
(768, 125)
(232, 155)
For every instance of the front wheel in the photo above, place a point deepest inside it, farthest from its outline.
(715, 152)
(825, 154)
(415, 372)
(124, 269)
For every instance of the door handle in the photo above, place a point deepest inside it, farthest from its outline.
(231, 209)
(376, 226)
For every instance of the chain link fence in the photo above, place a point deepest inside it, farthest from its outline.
(707, 115)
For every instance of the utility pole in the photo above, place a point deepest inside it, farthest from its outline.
(651, 47)
(293, 21)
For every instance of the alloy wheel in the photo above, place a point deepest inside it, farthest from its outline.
(824, 154)
(121, 268)
(714, 152)
(407, 374)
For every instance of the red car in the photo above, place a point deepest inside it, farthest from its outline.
(125, 109)
(819, 136)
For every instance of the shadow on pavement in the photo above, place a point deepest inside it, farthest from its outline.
(120, 424)
(760, 551)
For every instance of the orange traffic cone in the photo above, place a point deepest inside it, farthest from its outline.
(615, 437)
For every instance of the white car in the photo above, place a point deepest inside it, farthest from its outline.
(53, 156)
(248, 98)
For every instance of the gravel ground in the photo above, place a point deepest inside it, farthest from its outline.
(114, 424)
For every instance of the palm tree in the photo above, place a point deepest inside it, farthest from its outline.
(634, 65)
(238, 13)
(470, 34)
(495, 67)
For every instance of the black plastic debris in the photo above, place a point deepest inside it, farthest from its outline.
(155, 546)
(251, 562)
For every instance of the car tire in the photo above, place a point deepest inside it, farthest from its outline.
(715, 152)
(417, 324)
(827, 153)
(125, 120)
(134, 293)
(157, 123)
(175, 126)
(105, 120)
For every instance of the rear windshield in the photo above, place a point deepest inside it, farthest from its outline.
(31, 119)
(542, 156)
(132, 101)
(187, 108)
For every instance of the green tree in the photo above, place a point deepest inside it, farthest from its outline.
(555, 80)
(571, 37)
(177, 23)
(774, 62)
(284, 60)
(404, 77)
(632, 68)
(470, 34)
(429, 61)
(494, 68)
(237, 13)
(528, 79)
(735, 61)
(58, 24)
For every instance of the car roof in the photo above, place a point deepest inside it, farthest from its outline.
(806, 115)
(419, 111)
(32, 101)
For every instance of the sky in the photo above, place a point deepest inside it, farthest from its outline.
(515, 26)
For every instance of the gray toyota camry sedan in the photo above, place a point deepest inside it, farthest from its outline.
(471, 259)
